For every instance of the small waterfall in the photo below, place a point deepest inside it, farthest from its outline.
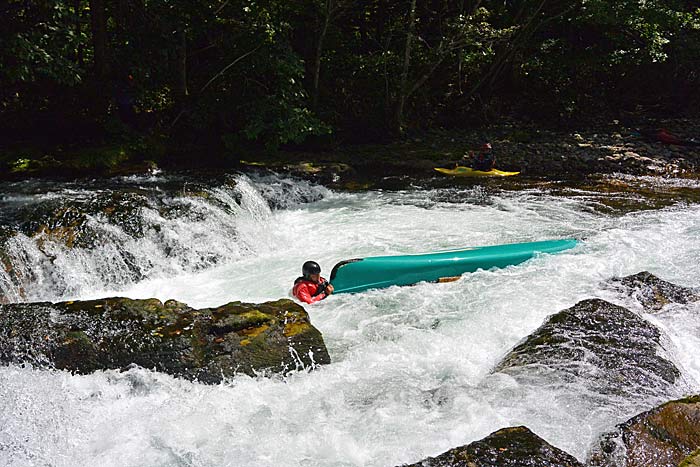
(79, 240)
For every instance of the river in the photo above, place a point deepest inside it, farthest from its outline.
(410, 376)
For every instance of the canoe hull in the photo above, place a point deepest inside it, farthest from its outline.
(469, 172)
(384, 271)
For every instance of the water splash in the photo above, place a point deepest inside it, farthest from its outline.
(84, 240)
(411, 373)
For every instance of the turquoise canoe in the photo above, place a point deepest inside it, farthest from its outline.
(356, 275)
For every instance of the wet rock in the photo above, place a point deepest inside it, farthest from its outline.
(508, 447)
(207, 344)
(692, 460)
(652, 292)
(605, 347)
(667, 436)
(326, 173)
(69, 221)
(136, 168)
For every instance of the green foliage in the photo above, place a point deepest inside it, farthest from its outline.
(248, 68)
(20, 165)
(101, 157)
(41, 41)
(605, 55)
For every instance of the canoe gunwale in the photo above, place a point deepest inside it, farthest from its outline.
(334, 271)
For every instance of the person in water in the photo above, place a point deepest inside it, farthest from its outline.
(311, 287)
(485, 159)
(662, 135)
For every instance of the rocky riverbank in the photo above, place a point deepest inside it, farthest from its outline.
(535, 152)
(611, 147)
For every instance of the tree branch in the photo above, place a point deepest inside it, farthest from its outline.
(225, 69)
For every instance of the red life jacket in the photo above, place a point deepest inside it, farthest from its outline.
(668, 138)
(308, 291)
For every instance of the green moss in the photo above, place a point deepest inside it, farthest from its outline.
(27, 164)
(20, 165)
(695, 399)
(693, 460)
(294, 328)
(235, 316)
(77, 338)
(114, 332)
(690, 400)
(254, 332)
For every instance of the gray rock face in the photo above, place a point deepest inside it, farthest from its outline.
(662, 437)
(207, 344)
(654, 293)
(508, 447)
(606, 347)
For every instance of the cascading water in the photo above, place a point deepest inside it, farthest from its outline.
(411, 373)
(86, 240)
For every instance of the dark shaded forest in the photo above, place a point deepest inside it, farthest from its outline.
(241, 74)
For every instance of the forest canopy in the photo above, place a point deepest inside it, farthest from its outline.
(271, 72)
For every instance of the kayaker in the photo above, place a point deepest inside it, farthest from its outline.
(311, 287)
(484, 160)
(662, 135)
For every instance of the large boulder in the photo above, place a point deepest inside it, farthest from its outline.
(207, 344)
(607, 348)
(508, 447)
(667, 436)
(654, 293)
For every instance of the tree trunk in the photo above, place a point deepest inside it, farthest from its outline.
(183, 66)
(79, 46)
(506, 52)
(319, 52)
(99, 88)
(98, 21)
(403, 91)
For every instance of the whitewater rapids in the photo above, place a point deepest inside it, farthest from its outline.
(410, 376)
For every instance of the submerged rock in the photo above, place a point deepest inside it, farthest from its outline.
(207, 344)
(508, 447)
(652, 292)
(667, 436)
(605, 347)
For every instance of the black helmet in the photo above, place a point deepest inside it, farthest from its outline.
(310, 267)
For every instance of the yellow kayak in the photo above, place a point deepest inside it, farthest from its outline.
(469, 172)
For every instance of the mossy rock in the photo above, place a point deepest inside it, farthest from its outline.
(67, 221)
(605, 347)
(654, 293)
(508, 447)
(693, 460)
(206, 345)
(666, 436)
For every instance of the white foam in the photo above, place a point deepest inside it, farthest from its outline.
(410, 376)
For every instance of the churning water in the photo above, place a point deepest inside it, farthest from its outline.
(410, 376)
